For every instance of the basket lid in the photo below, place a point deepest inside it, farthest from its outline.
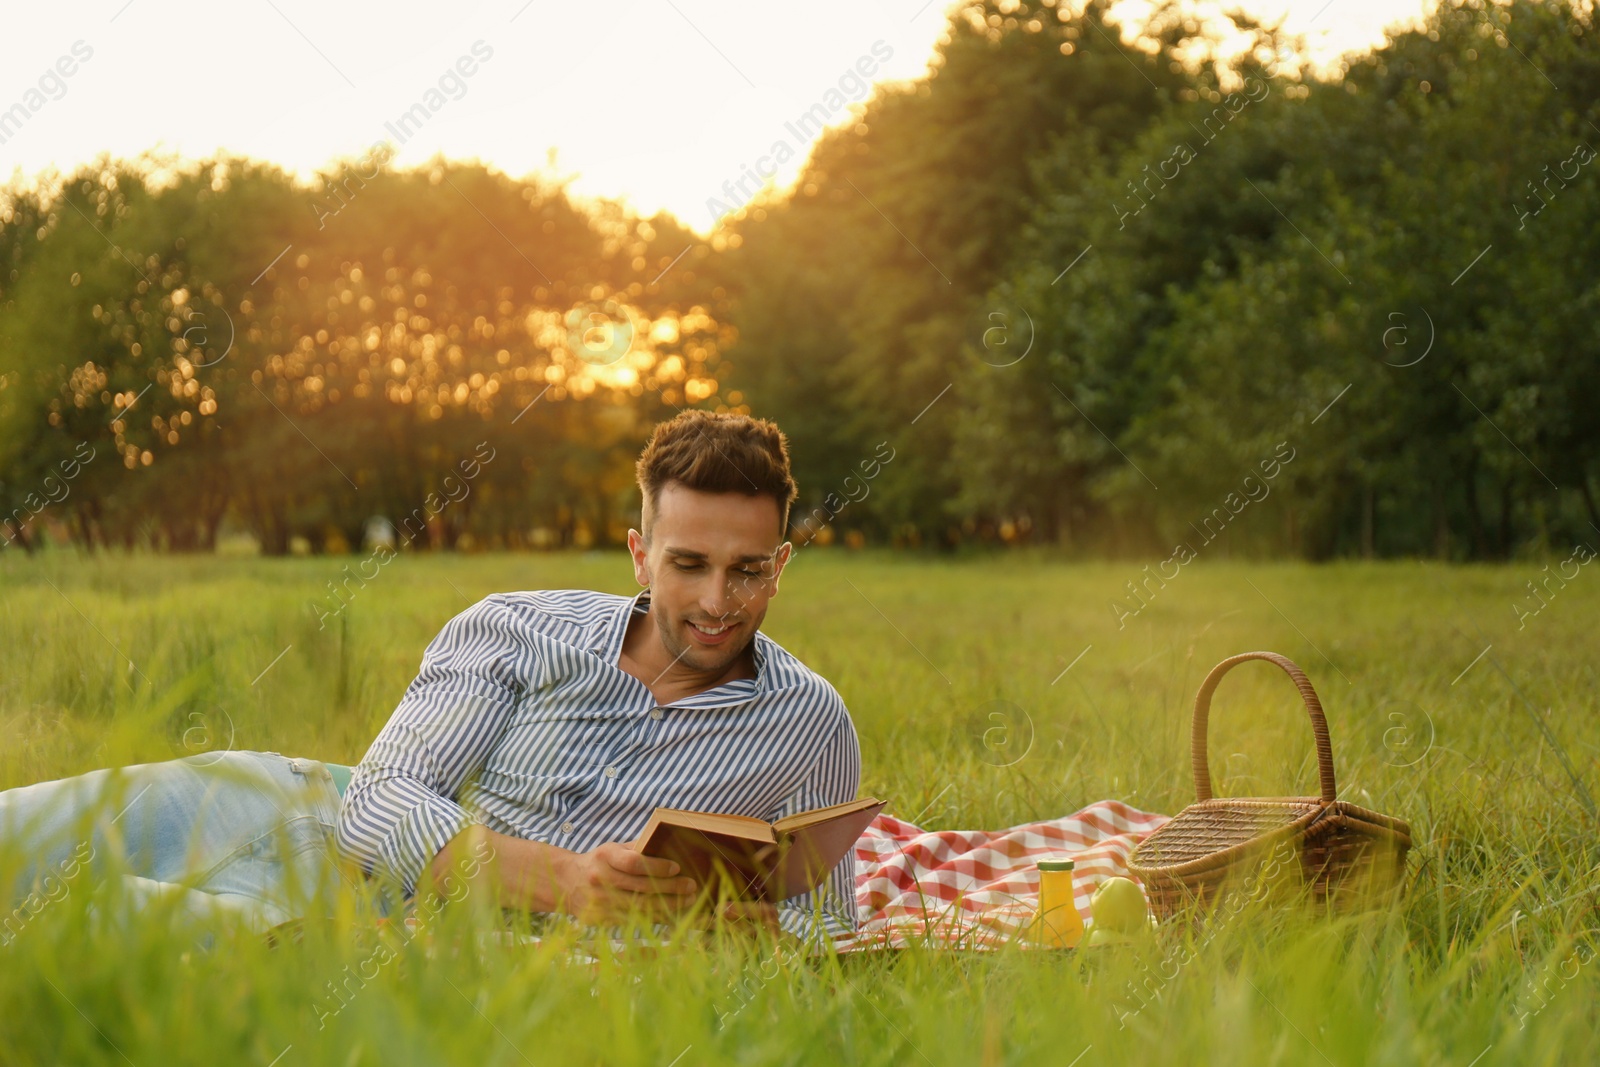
(1212, 826)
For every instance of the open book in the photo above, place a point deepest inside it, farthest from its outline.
(759, 860)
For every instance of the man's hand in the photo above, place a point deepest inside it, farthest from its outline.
(613, 881)
(607, 883)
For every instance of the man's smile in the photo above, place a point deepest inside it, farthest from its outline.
(712, 633)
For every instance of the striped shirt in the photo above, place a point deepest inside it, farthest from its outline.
(520, 719)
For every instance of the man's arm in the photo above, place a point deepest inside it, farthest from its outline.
(398, 811)
(399, 818)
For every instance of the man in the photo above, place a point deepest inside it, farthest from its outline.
(544, 726)
(549, 725)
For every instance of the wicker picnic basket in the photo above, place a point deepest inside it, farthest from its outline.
(1347, 855)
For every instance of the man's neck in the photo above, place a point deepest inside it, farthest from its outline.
(668, 678)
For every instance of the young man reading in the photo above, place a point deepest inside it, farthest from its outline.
(544, 725)
(552, 724)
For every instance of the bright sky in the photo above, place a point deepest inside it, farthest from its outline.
(656, 101)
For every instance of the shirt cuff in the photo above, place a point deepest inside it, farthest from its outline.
(417, 837)
(823, 925)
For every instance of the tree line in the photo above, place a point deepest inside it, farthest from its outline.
(1084, 285)
(220, 343)
(1122, 274)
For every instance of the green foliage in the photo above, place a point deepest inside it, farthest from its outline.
(1081, 284)
(867, 286)
(220, 341)
(1203, 254)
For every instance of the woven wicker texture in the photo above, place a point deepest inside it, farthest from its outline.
(1226, 824)
(1345, 853)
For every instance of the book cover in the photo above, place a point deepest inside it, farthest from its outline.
(751, 859)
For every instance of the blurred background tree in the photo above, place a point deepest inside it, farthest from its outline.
(1082, 277)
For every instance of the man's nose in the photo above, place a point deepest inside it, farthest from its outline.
(721, 597)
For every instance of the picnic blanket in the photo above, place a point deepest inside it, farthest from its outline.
(978, 888)
(960, 889)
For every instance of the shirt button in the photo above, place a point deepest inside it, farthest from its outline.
(566, 828)
(655, 713)
(611, 772)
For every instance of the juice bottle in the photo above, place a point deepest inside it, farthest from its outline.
(1058, 923)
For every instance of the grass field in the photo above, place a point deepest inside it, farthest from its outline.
(117, 660)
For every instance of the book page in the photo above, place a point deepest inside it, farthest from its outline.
(791, 823)
(732, 825)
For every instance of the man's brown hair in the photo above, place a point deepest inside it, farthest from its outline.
(718, 453)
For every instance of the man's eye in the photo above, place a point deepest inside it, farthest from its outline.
(687, 566)
(751, 574)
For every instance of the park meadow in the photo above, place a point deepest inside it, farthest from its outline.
(987, 691)
(1105, 345)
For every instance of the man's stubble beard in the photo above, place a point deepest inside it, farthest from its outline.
(682, 651)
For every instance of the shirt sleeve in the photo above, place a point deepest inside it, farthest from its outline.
(828, 911)
(400, 807)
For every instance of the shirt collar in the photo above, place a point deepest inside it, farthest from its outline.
(610, 633)
(733, 692)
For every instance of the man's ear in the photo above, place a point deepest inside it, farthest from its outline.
(641, 564)
(779, 560)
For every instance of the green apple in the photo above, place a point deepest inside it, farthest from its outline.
(1118, 905)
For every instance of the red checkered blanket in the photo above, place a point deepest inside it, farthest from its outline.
(977, 888)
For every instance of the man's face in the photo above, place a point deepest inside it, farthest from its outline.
(712, 563)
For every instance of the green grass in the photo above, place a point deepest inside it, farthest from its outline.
(1486, 957)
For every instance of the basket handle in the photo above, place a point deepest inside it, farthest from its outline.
(1319, 724)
